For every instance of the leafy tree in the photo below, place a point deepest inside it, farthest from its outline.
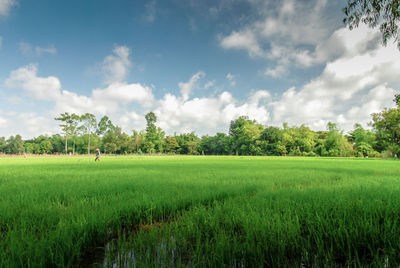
(215, 145)
(386, 125)
(104, 125)
(88, 126)
(154, 139)
(138, 140)
(336, 144)
(46, 147)
(270, 137)
(15, 145)
(397, 99)
(364, 140)
(66, 120)
(58, 143)
(171, 145)
(385, 13)
(110, 142)
(3, 145)
(73, 128)
(188, 143)
(244, 133)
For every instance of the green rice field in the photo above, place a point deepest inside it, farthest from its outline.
(199, 211)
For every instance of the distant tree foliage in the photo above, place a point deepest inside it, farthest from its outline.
(245, 137)
(374, 13)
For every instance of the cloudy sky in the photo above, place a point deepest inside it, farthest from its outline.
(196, 64)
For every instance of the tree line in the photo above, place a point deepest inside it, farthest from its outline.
(81, 134)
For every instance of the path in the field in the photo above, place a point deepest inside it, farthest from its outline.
(98, 255)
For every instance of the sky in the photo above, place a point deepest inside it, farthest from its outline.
(196, 64)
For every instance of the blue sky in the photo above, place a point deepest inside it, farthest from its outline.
(196, 64)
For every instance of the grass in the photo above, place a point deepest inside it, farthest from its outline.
(199, 211)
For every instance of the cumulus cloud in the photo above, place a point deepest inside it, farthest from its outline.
(287, 35)
(35, 125)
(40, 88)
(245, 39)
(208, 115)
(349, 89)
(28, 50)
(116, 66)
(5, 6)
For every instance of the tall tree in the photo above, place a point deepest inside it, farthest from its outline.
(73, 128)
(66, 122)
(152, 133)
(382, 13)
(88, 126)
(386, 125)
(104, 125)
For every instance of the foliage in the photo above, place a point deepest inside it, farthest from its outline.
(386, 124)
(385, 13)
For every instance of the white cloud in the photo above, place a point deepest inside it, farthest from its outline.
(187, 88)
(246, 40)
(116, 66)
(35, 125)
(5, 6)
(231, 79)
(40, 88)
(132, 120)
(125, 93)
(349, 89)
(28, 50)
(207, 115)
(288, 34)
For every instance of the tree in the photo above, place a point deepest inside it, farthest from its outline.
(270, 137)
(104, 125)
(73, 128)
(386, 125)
(336, 144)
(138, 140)
(88, 126)
(66, 120)
(171, 145)
(385, 13)
(15, 145)
(188, 143)
(110, 142)
(3, 145)
(245, 133)
(397, 99)
(364, 140)
(154, 139)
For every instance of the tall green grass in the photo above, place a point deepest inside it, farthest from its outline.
(214, 211)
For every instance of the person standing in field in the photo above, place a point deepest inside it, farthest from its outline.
(97, 155)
